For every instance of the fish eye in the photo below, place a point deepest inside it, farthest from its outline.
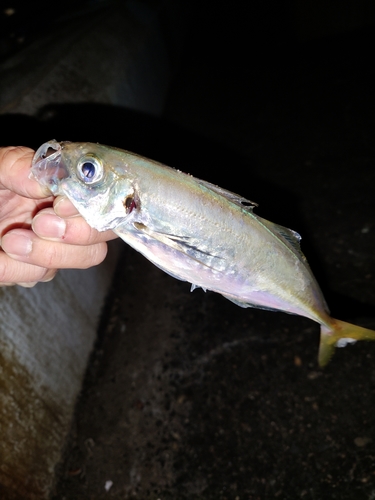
(90, 169)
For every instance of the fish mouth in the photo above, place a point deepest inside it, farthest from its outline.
(48, 167)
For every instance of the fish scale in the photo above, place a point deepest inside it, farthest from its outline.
(193, 230)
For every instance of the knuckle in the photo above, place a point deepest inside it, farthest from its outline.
(52, 258)
(20, 273)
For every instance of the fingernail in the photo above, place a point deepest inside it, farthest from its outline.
(49, 276)
(31, 284)
(49, 226)
(16, 244)
(63, 207)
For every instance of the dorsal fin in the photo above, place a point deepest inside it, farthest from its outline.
(229, 195)
(292, 238)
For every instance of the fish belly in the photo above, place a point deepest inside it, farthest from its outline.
(252, 272)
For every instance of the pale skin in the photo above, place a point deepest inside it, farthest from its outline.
(40, 234)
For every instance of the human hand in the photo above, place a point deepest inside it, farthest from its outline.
(40, 234)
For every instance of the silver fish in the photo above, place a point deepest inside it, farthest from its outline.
(193, 230)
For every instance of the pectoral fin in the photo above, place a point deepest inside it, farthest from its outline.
(179, 243)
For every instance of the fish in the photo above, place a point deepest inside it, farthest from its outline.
(193, 230)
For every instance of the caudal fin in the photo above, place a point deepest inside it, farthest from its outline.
(339, 334)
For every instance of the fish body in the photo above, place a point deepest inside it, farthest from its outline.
(191, 229)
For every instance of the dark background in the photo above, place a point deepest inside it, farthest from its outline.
(188, 396)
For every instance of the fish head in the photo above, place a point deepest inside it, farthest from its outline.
(89, 175)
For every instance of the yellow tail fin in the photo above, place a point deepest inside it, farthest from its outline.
(339, 334)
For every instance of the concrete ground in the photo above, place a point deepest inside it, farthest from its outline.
(188, 396)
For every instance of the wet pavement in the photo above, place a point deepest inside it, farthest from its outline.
(188, 396)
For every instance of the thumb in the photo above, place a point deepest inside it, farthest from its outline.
(15, 164)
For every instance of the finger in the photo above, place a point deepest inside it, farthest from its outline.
(47, 225)
(13, 272)
(64, 207)
(25, 285)
(23, 245)
(15, 163)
